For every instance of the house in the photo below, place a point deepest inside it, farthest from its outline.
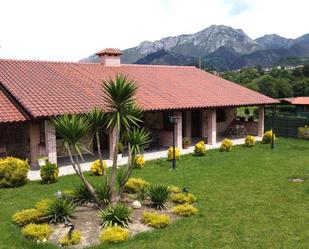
(301, 103)
(31, 92)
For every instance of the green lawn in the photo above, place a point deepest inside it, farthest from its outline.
(244, 198)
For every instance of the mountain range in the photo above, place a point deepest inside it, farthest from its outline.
(219, 47)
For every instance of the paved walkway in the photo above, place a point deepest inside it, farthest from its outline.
(34, 175)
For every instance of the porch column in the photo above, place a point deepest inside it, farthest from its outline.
(261, 121)
(205, 123)
(178, 130)
(112, 142)
(50, 142)
(34, 134)
(212, 126)
(188, 124)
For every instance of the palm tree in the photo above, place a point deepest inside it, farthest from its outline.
(119, 99)
(97, 120)
(72, 128)
(138, 140)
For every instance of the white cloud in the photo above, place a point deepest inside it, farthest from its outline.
(73, 29)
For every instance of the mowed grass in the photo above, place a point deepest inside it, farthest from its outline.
(244, 198)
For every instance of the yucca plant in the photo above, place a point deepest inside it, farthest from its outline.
(117, 215)
(158, 195)
(82, 195)
(103, 192)
(142, 194)
(60, 211)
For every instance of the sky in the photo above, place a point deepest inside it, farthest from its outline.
(69, 30)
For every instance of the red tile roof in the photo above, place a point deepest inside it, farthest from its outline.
(9, 112)
(296, 100)
(110, 51)
(53, 88)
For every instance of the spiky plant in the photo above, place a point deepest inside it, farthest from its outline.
(117, 215)
(102, 192)
(72, 128)
(119, 97)
(82, 195)
(97, 120)
(60, 211)
(158, 195)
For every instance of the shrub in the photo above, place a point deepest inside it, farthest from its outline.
(133, 185)
(60, 211)
(43, 205)
(173, 189)
(74, 240)
(82, 195)
(37, 232)
(96, 168)
(183, 198)
(114, 234)
(303, 132)
(49, 172)
(155, 220)
(158, 196)
(120, 148)
(226, 145)
(184, 210)
(170, 153)
(118, 215)
(13, 172)
(267, 137)
(27, 216)
(250, 141)
(200, 149)
(139, 161)
(68, 194)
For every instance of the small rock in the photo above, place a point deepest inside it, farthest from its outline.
(136, 205)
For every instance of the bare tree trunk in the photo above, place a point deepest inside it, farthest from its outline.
(127, 173)
(99, 152)
(86, 183)
(112, 187)
(79, 172)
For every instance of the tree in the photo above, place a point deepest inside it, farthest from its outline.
(72, 128)
(97, 121)
(119, 98)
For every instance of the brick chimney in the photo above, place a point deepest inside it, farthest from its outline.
(110, 56)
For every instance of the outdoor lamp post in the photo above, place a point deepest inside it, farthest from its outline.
(174, 121)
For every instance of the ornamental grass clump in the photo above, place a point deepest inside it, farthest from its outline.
(49, 173)
(139, 161)
(184, 210)
(60, 211)
(114, 234)
(39, 232)
(158, 195)
(96, 168)
(200, 149)
(226, 145)
(117, 215)
(156, 220)
(250, 141)
(13, 172)
(74, 240)
(82, 195)
(170, 153)
(183, 198)
(133, 185)
(268, 136)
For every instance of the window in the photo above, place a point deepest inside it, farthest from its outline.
(221, 115)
